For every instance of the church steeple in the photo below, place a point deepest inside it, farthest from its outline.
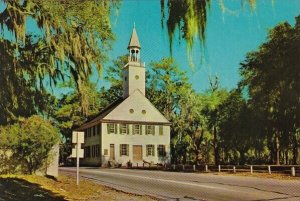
(134, 47)
(133, 71)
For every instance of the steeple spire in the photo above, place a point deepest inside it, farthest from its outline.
(134, 40)
(133, 71)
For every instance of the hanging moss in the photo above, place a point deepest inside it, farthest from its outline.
(74, 35)
(189, 17)
(77, 31)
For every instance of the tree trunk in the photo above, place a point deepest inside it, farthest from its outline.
(216, 148)
(272, 155)
(207, 152)
(295, 152)
(242, 157)
(287, 157)
(277, 151)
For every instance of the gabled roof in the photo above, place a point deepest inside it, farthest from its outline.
(118, 111)
(134, 40)
(136, 108)
(102, 114)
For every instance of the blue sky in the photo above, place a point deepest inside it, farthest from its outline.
(229, 36)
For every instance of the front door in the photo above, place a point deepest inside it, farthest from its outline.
(137, 153)
(112, 152)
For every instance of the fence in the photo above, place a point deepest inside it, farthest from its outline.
(293, 170)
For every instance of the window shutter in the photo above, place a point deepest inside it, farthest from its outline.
(132, 129)
(141, 129)
(127, 149)
(120, 129)
(120, 149)
(153, 152)
(127, 125)
(153, 130)
(107, 126)
(161, 131)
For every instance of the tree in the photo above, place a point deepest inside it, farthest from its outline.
(114, 77)
(20, 95)
(77, 33)
(214, 98)
(271, 75)
(70, 39)
(29, 142)
(166, 85)
(238, 128)
(168, 89)
(69, 113)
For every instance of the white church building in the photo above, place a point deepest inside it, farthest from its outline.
(130, 129)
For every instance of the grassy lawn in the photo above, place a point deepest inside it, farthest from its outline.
(38, 188)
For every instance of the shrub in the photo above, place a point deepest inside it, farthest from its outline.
(25, 146)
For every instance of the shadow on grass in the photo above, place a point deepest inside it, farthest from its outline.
(14, 189)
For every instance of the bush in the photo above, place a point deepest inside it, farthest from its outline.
(25, 146)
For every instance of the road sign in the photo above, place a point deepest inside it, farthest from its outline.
(80, 153)
(77, 136)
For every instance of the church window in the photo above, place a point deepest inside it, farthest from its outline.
(150, 130)
(98, 129)
(94, 130)
(124, 129)
(131, 111)
(150, 150)
(97, 154)
(111, 128)
(124, 149)
(89, 132)
(93, 151)
(87, 152)
(137, 129)
(137, 77)
(161, 150)
(143, 111)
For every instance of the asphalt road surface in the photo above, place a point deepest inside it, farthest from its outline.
(192, 186)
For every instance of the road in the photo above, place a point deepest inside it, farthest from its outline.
(192, 186)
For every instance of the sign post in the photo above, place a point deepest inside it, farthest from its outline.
(77, 139)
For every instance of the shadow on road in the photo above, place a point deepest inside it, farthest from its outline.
(14, 189)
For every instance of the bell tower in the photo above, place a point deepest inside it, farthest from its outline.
(134, 70)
